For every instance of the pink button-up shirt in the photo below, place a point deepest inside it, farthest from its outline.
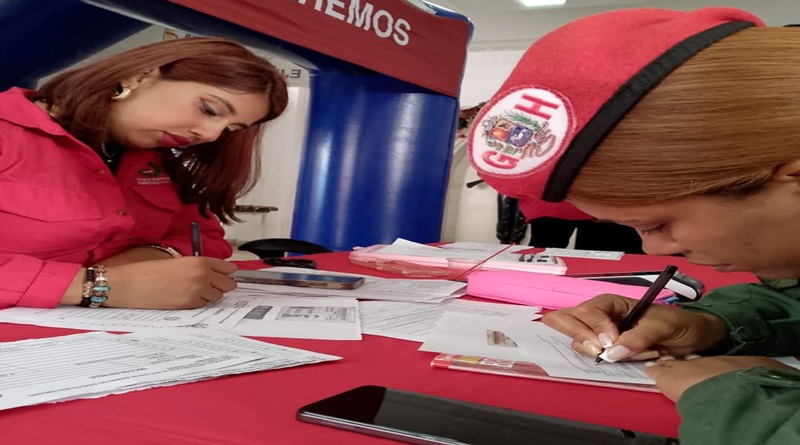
(61, 207)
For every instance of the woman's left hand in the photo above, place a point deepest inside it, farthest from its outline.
(674, 376)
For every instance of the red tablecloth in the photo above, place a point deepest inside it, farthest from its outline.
(260, 408)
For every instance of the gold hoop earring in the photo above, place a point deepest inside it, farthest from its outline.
(121, 94)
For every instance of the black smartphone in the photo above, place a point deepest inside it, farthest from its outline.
(686, 288)
(298, 279)
(423, 419)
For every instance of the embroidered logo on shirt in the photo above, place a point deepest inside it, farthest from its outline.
(153, 174)
(151, 171)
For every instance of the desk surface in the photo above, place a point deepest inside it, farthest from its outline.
(259, 408)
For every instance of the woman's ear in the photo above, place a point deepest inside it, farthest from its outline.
(140, 79)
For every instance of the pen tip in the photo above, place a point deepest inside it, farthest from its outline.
(598, 360)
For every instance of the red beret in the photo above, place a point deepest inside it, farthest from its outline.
(571, 88)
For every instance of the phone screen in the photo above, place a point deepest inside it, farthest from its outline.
(423, 419)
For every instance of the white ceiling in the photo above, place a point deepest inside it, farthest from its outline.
(507, 25)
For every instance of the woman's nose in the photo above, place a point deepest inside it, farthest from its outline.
(660, 245)
(209, 132)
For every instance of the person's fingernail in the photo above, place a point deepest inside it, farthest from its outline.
(615, 353)
(646, 355)
(649, 364)
(591, 347)
(691, 356)
(605, 340)
(666, 358)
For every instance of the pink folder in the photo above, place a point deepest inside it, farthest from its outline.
(546, 290)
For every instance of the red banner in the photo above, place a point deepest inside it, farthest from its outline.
(392, 37)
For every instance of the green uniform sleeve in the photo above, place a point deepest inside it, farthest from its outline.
(762, 320)
(758, 406)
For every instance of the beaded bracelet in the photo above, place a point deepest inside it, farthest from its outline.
(87, 287)
(95, 287)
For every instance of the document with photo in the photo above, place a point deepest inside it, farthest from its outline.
(414, 321)
(326, 318)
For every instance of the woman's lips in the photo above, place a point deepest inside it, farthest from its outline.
(170, 140)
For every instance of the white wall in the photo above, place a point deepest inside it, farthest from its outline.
(471, 214)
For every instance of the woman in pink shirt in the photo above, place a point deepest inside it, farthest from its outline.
(104, 168)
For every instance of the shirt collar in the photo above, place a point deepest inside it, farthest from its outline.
(17, 108)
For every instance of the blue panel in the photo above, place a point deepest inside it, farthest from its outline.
(42, 37)
(376, 162)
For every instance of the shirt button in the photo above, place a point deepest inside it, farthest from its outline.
(122, 212)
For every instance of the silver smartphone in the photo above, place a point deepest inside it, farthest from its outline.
(320, 281)
(422, 419)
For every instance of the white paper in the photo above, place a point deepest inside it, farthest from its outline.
(415, 321)
(223, 314)
(575, 253)
(266, 356)
(74, 366)
(326, 318)
(469, 334)
(507, 260)
(465, 334)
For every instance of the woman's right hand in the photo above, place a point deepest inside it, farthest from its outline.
(593, 326)
(179, 283)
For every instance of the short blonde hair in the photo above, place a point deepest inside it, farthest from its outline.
(720, 124)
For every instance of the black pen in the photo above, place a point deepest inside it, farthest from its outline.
(641, 307)
(197, 241)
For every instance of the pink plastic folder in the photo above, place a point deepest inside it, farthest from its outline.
(546, 290)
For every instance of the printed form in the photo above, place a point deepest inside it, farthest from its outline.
(223, 314)
(324, 318)
(513, 339)
(98, 363)
(415, 321)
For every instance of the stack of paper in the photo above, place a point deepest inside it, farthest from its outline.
(577, 253)
(243, 311)
(519, 341)
(534, 349)
(436, 256)
(97, 364)
(415, 321)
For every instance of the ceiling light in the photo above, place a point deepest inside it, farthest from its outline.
(537, 3)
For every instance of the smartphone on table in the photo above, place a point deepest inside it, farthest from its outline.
(686, 288)
(423, 419)
(321, 281)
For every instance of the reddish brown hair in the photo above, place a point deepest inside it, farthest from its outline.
(721, 124)
(214, 174)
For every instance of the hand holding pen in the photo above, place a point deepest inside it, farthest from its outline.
(661, 328)
(643, 305)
